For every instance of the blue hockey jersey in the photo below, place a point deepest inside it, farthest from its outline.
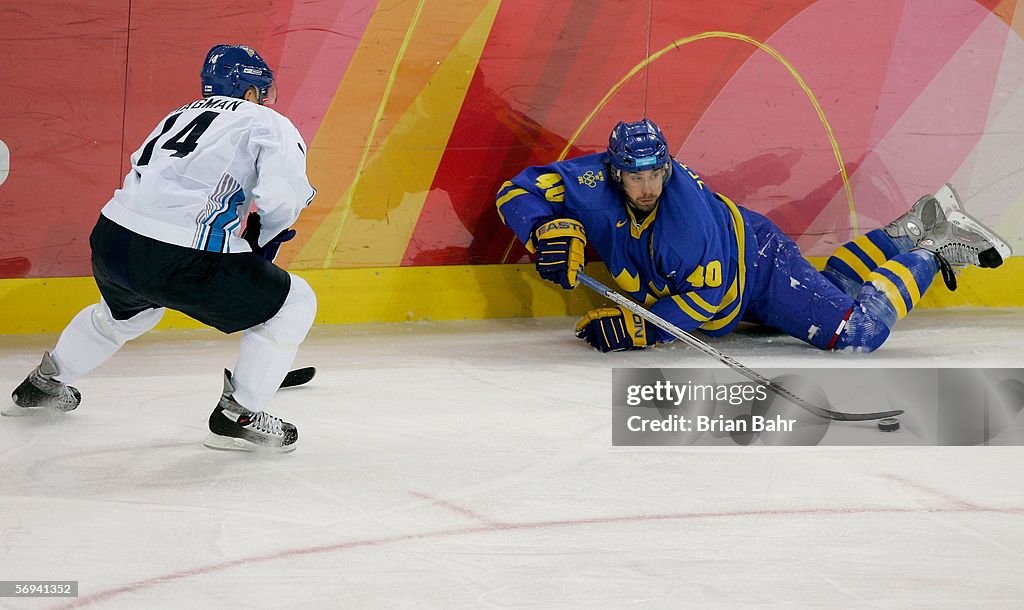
(690, 261)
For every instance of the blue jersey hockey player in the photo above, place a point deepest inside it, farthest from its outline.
(704, 263)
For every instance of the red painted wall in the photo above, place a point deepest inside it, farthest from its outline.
(830, 116)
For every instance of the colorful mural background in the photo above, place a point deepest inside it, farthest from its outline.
(829, 116)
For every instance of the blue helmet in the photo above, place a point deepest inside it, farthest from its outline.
(231, 69)
(634, 147)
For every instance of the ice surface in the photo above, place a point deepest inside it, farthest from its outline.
(469, 464)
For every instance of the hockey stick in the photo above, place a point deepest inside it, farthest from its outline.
(725, 359)
(293, 378)
(298, 377)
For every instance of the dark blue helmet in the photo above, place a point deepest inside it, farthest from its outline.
(634, 147)
(230, 70)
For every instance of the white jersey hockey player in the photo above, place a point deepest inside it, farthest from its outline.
(204, 164)
(177, 236)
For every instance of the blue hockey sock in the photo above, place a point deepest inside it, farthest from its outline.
(888, 295)
(852, 263)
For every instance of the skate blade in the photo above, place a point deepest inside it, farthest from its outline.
(230, 443)
(965, 221)
(13, 410)
(949, 200)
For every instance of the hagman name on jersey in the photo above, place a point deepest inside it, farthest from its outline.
(214, 103)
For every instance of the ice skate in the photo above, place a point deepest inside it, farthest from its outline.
(40, 391)
(926, 214)
(961, 241)
(964, 241)
(234, 427)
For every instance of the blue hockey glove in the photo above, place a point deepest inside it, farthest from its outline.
(251, 234)
(269, 251)
(559, 245)
(614, 329)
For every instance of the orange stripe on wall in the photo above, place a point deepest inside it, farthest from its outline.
(375, 155)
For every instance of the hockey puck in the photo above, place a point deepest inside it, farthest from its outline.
(889, 424)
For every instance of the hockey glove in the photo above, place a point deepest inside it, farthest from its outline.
(251, 234)
(614, 329)
(269, 251)
(559, 245)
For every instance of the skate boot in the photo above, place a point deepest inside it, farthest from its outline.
(40, 391)
(961, 241)
(926, 214)
(232, 426)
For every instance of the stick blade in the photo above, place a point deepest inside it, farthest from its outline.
(298, 377)
(841, 416)
(293, 378)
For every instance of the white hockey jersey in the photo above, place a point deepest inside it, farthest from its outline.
(205, 167)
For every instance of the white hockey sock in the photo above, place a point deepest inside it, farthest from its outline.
(93, 336)
(268, 350)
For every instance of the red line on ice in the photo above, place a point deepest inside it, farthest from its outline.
(938, 493)
(493, 527)
(456, 508)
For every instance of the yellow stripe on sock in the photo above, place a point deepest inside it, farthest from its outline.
(902, 272)
(855, 263)
(869, 248)
(891, 292)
